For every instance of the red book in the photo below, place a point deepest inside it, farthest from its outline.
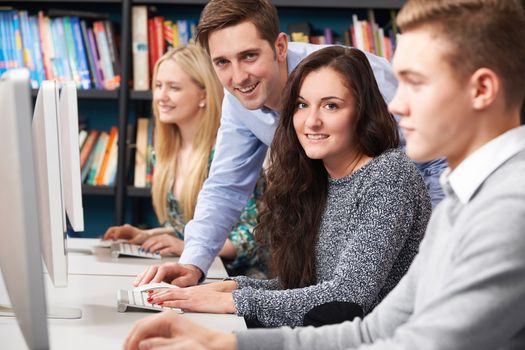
(152, 46)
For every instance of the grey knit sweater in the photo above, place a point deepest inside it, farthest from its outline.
(369, 234)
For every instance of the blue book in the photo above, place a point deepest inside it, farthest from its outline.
(71, 51)
(184, 31)
(17, 40)
(3, 58)
(37, 50)
(29, 59)
(59, 62)
(82, 64)
(9, 37)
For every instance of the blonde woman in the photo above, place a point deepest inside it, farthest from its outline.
(187, 106)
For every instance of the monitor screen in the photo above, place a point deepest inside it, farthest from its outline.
(20, 259)
(49, 182)
(70, 156)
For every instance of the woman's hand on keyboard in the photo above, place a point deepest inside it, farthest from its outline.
(166, 244)
(195, 299)
(131, 233)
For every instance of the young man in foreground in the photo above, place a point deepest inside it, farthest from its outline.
(459, 63)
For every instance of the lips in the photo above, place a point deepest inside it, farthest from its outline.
(316, 137)
(247, 89)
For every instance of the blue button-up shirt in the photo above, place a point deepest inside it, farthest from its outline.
(242, 143)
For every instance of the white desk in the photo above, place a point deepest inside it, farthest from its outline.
(92, 287)
(101, 326)
(86, 257)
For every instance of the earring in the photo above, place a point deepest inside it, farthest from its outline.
(202, 104)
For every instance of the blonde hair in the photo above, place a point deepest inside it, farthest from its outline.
(196, 63)
(481, 33)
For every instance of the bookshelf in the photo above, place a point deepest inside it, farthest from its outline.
(127, 200)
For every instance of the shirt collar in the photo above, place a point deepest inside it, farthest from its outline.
(468, 176)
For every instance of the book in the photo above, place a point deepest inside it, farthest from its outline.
(110, 81)
(96, 58)
(105, 158)
(139, 37)
(89, 54)
(113, 50)
(141, 152)
(82, 136)
(111, 169)
(82, 64)
(98, 158)
(87, 147)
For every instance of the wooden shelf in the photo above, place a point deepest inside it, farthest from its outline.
(140, 95)
(90, 190)
(133, 191)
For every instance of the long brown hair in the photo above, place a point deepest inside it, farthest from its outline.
(295, 199)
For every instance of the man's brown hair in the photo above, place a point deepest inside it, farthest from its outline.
(482, 33)
(219, 14)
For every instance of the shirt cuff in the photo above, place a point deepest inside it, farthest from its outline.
(197, 257)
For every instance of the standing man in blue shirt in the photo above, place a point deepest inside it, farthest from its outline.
(252, 60)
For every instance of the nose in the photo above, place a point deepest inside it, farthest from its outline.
(398, 104)
(239, 75)
(161, 93)
(313, 120)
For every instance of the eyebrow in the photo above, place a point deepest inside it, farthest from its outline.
(242, 53)
(324, 98)
(409, 73)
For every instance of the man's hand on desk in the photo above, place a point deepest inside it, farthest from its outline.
(168, 330)
(174, 273)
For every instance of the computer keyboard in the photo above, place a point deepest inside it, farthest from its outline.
(127, 249)
(129, 300)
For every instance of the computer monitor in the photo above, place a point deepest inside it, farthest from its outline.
(46, 145)
(70, 155)
(20, 260)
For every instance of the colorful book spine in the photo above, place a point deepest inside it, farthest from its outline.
(92, 68)
(139, 37)
(99, 178)
(99, 157)
(37, 49)
(96, 58)
(70, 44)
(18, 47)
(113, 51)
(87, 148)
(45, 43)
(103, 49)
(82, 64)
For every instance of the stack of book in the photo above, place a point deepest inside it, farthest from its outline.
(98, 156)
(365, 35)
(151, 38)
(63, 48)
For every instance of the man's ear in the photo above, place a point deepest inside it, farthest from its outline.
(281, 47)
(485, 85)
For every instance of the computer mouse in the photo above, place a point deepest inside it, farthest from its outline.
(153, 285)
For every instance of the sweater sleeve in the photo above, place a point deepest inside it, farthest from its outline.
(245, 282)
(383, 224)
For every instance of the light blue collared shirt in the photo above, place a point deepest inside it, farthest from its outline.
(242, 142)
